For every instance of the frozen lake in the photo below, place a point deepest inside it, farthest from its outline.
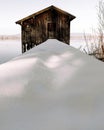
(10, 49)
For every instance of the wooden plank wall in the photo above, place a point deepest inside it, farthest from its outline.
(50, 24)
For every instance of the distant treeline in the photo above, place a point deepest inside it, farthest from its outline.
(77, 36)
(10, 37)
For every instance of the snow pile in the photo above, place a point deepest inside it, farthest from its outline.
(52, 87)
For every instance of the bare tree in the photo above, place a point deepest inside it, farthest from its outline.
(95, 41)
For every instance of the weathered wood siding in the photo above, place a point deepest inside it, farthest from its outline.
(49, 24)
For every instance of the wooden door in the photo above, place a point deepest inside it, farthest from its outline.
(51, 30)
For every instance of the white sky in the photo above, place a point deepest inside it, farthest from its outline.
(13, 10)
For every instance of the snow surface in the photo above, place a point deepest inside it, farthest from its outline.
(52, 87)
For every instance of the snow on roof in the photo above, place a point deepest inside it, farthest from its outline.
(52, 87)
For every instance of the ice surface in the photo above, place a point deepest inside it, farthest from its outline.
(9, 49)
(52, 87)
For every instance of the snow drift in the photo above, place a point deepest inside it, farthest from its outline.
(52, 87)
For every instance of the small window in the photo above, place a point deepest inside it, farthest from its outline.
(28, 28)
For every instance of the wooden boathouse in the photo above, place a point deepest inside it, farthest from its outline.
(49, 23)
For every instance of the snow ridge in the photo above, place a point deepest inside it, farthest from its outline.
(52, 86)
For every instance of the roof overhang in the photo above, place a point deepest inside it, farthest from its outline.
(71, 17)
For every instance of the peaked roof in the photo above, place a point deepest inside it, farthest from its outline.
(71, 17)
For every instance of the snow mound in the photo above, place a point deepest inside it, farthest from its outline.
(52, 87)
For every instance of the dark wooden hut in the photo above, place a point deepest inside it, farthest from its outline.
(49, 23)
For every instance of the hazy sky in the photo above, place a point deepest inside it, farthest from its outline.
(13, 10)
